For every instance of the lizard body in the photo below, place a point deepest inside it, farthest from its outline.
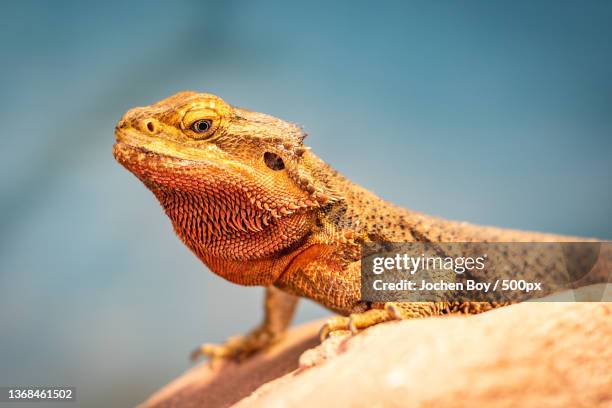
(259, 208)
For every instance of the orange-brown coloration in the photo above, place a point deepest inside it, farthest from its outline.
(258, 208)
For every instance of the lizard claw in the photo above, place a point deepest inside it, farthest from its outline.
(195, 354)
(221, 352)
(207, 349)
(393, 311)
(236, 348)
(352, 325)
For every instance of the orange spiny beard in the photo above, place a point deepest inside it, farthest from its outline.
(215, 233)
(229, 228)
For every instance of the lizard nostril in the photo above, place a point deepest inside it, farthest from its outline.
(150, 126)
(122, 124)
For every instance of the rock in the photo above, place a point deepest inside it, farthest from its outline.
(530, 354)
(229, 382)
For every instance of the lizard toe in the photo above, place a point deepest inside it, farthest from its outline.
(334, 324)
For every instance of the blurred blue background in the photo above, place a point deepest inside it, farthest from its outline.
(492, 112)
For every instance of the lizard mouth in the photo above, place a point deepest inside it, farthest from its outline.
(167, 171)
(128, 154)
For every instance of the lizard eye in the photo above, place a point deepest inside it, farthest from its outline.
(201, 126)
(273, 161)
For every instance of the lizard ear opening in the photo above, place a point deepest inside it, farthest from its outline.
(273, 161)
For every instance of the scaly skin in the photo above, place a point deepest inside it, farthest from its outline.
(294, 226)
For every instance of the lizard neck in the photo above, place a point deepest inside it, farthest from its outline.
(364, 214)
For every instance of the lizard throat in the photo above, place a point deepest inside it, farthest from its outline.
(219, 230)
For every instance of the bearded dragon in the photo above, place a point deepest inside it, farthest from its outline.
(257, 207)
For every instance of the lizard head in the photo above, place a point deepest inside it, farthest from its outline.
(238, 186)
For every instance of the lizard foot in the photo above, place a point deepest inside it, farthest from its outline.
(357, 322)
(340, 325)
(237, 348)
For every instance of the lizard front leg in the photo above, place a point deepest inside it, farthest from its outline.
(323, 274)
(279, 308)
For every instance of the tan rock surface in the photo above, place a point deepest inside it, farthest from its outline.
(532, 354)
(227, 383)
